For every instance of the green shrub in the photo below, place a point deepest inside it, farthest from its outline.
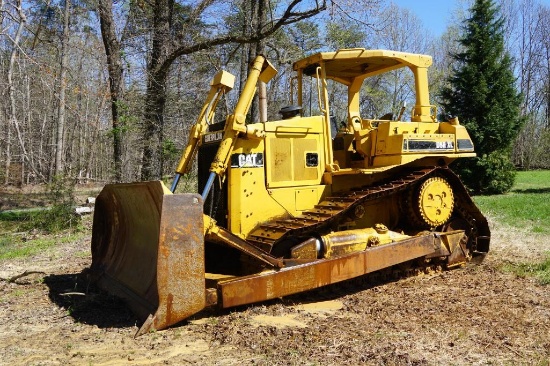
(60, 215)
(489, 174)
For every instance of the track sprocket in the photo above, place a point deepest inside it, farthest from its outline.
(433, 203)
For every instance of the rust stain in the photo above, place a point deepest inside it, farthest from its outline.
(290, 280)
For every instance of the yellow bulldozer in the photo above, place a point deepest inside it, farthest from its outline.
(293, 204)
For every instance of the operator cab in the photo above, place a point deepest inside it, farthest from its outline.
(377, 143)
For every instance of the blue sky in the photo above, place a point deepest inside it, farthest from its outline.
(436, 14)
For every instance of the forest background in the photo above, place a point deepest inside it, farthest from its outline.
(103, 90)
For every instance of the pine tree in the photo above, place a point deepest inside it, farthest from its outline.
(481, 92)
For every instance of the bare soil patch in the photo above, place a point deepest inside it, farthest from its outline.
(477, 314)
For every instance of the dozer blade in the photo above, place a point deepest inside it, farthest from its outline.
(148, 249)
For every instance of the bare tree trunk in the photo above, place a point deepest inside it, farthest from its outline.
(153, 134)
(22, 178)
(7, 164)
(114, 65)
(548, 93)
(252, 53)
(260, 49)
(156, 92)
(12, 118)
(43, 141)
(94, 150)
(245, 47)
(11, 113)
(59, 142)
(28, 118)
(2, 11)
(5, 117)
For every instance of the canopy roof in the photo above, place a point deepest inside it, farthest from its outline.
(346, 64)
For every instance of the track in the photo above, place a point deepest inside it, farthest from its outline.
(333, 210)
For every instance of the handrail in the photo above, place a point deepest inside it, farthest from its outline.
(319, 80)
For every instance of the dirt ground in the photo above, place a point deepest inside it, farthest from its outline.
(475, 315)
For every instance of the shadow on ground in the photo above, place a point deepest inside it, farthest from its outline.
(532, 190)
(87, 304)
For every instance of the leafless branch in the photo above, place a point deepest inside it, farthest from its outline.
(290, 16)
(21, 275)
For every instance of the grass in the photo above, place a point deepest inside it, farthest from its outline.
(17, 240)
(526, 206)
(36, 218)
(539, 270)
(16, 246)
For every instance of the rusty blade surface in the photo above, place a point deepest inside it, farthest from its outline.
(148, 249)
(180, 264)
(302, 277)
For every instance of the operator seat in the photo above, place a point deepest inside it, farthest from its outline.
(290, 111)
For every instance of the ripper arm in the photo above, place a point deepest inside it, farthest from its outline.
(222, 82)
(235, 124)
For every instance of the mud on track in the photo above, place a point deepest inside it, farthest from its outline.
(474, 315)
